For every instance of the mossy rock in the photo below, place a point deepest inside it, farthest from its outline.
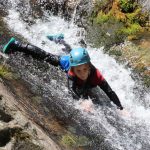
(115, 52)
(71, 140)
(7, 73)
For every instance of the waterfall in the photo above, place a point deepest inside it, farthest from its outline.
(123, 132)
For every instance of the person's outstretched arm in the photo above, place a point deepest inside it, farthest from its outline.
(52, 59)
(111, 94)
(67, 48)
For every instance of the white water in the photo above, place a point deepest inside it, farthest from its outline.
(117, 76)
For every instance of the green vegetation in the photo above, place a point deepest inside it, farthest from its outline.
(5, 72)
(115, 52)
(127, 5)
(70, 140)
(117, 20)
(102, 17)
(128, 12)
(131, 29)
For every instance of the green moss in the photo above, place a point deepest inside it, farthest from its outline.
(128, 12)
(133, 17)
(127, 5)
(115, 52)
(71, 140)
(101, 18)
(130, 30)
(5, 72)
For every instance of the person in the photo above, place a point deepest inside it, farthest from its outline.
(81, 73)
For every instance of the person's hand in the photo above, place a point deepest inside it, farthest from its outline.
(124, 113)
(87, 105)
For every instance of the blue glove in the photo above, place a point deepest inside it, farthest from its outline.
(64, 63)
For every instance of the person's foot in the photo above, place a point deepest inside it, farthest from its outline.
(7, 47)
(55, 37)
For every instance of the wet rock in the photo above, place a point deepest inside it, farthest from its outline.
(17, 132)
(6, 134)
(83, 11)
(30, 9)
(4, 116)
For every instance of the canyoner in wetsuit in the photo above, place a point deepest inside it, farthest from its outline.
(82, 75)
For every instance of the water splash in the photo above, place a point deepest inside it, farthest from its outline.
(122, 132)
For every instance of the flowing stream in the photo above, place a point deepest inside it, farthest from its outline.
(129, 131)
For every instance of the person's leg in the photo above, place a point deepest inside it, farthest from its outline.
(55, 37)
(67, 48)
(39, 54)
(32, 50)
(59, 39)
(14, 45)
(36, 52)
(53, 59)
(7, 47)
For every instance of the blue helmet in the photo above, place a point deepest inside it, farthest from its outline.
(79, 56)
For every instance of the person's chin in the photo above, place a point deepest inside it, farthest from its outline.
(84, 79)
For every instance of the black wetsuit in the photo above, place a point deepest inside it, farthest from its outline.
(76, 86)
(80, 88)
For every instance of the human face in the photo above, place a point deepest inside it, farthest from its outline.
(82, 71)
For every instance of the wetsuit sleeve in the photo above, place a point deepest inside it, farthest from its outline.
(52, 59)
(72, 88)
(67, 48)
(110, 93)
